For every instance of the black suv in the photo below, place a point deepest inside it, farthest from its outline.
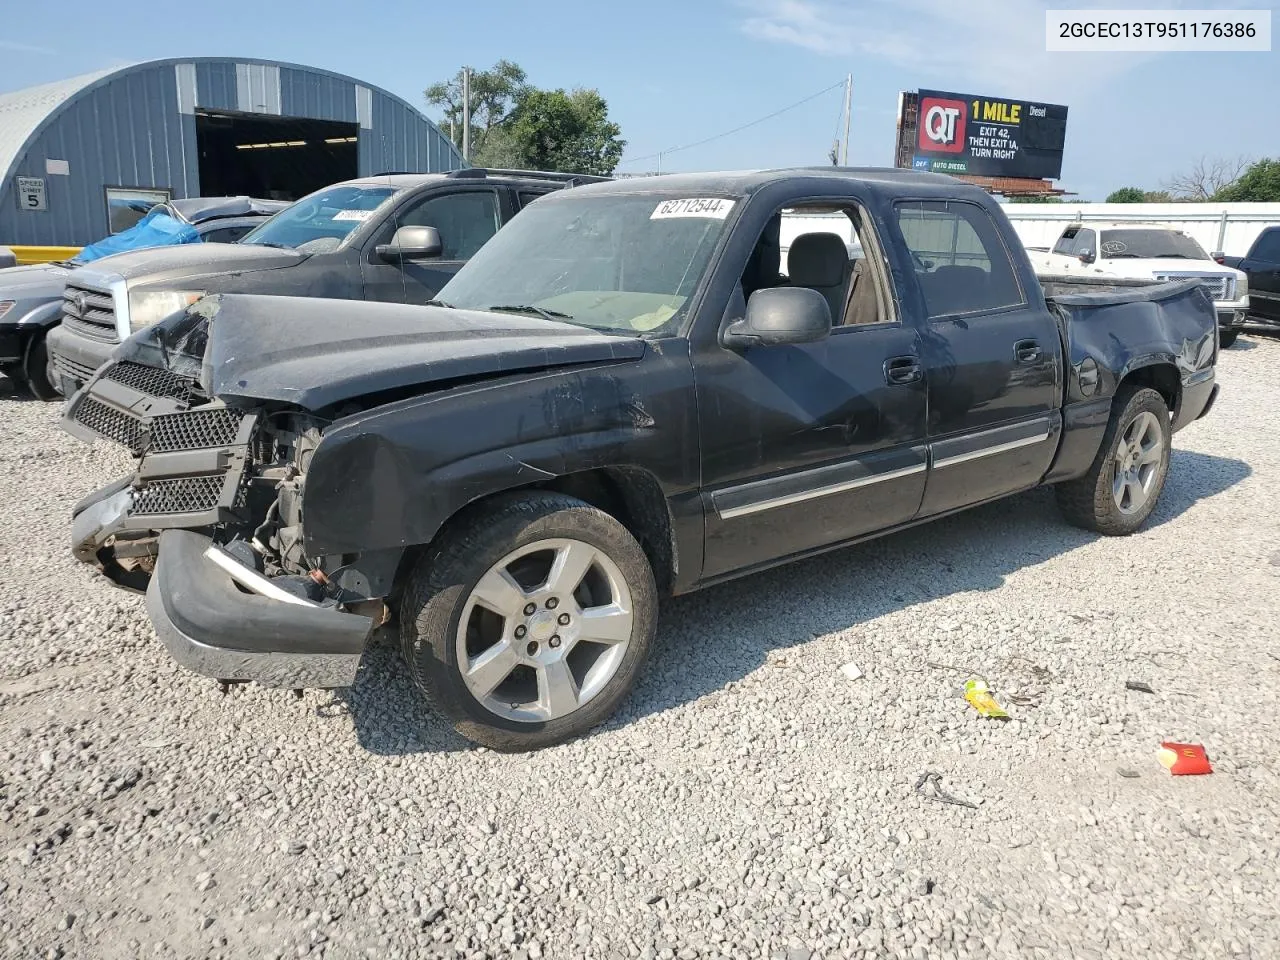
(395, 237)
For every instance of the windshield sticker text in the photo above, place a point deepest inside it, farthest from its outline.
(352, 215)
(710, 208)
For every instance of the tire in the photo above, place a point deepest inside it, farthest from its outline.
(525, 536)
(1091, 500)
(1226, 338)
(35, 369)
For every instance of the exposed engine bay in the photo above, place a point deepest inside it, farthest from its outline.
(234, 474)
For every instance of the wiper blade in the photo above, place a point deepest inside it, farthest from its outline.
(440, 303)
(532, 311)
(1122, 256)
(1171, 256)
(271, 243)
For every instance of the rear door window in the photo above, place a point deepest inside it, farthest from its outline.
(960, 260)
(1268, 250)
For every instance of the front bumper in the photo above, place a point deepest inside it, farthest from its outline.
(73, 359)
(1230, 319)
(211, 625)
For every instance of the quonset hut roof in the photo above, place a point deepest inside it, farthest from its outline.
(22, 112)
(134, 127)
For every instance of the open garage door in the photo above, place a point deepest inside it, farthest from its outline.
(274, 158)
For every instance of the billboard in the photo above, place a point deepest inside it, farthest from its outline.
(983, 136)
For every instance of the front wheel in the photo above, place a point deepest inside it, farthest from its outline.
(527, 624)
(1226, 338)
(1122, 485)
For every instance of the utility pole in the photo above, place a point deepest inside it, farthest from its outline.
(848, 109)
(466, 114)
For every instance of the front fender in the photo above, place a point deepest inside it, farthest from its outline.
(391, 477)
(41, 316)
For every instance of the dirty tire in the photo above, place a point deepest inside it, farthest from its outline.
(1089, 501)
(440, 586)
(1227, 337)
(35, 369)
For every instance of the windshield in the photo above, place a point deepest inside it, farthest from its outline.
(321, 221)
(1150, 245)
(619, 263)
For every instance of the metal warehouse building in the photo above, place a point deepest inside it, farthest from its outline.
(87, 156)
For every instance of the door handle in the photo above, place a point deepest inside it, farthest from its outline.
(1027, 351)
(901, 370)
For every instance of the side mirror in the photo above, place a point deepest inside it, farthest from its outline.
(1219, 256)
(780, 315)
(411, 243)
(1087, 256)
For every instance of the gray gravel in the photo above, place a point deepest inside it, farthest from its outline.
(749, 801)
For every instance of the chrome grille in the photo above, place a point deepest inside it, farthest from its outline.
(149, 380)
(110, 423)
(1219, 286)
(180, 495)
(91, 313)
(194, 430)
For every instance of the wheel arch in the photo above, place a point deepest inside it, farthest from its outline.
(1158, 374)
(631, 495)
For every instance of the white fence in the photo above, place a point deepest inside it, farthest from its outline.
(1229, 227)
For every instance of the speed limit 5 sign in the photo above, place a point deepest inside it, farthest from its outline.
(31, 194)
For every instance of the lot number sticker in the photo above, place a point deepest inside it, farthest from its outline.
(352, 215)
(710, 208)
(31, 194)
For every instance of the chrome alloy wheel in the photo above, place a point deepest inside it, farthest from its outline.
(544, 630)
(1138, 457)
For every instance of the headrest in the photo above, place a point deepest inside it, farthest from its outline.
(817, 260)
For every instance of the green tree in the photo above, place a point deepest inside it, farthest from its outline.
(1260, 184)
(493, 94)
(568, 132)
(1157, 196)
(1127, 195)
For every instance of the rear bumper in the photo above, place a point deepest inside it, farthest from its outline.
(1198, 394)
(212, 626)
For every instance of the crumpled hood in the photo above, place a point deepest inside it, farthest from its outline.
(192, 260)
(316, 353)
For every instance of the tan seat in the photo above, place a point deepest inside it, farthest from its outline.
(820, 261)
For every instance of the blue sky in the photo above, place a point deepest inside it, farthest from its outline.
(677, 72)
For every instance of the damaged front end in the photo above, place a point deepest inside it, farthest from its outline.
(209, 524)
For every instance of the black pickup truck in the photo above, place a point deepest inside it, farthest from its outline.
(1262, 266)
(626, 394)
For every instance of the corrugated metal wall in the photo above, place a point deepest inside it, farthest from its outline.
(137, 129)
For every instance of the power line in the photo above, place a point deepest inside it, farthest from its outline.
(690, 146)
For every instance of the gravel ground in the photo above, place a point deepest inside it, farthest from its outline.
(749, 801)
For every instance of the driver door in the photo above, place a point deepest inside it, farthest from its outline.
(809, 445)
(465, 218)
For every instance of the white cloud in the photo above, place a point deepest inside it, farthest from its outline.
(15, 47)
(996, 47)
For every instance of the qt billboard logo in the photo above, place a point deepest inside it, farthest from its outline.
(942, 125)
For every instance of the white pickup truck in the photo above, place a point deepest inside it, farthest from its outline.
(1148, 251)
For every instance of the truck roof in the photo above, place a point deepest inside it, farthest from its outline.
(749, 181)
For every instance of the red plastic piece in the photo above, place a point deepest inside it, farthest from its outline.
(1185, 759)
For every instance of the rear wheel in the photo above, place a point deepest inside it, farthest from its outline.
(1227, 337)
(35, 368)
(528, 623)
(1122, 485)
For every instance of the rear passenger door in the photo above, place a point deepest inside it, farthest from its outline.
(991, 351)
